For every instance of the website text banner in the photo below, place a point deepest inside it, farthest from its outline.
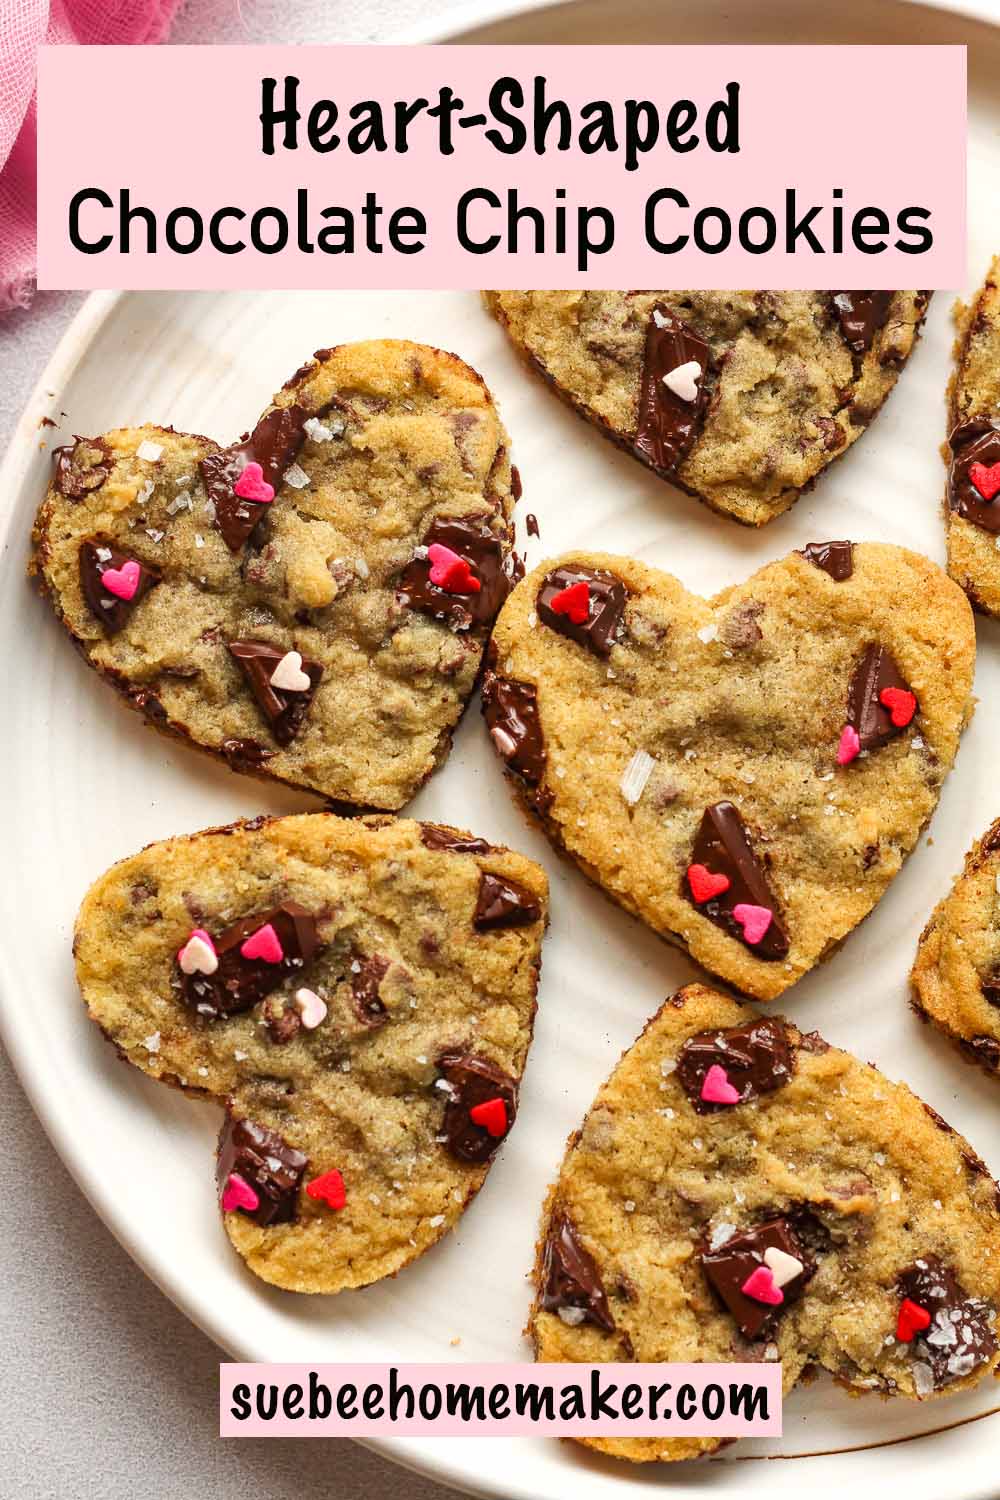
(500, 1400)
(544, 167)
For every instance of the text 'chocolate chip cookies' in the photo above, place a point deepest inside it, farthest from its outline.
(800, 1207)
(359, 995)
(311, 603)
(744, 773)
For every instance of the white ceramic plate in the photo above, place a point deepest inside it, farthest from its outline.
(87, 784)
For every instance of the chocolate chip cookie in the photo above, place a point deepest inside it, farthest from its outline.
(740, 398)
(310, 603)
(358, 994)
(742, 1191)
(746, 773)
(972, 506)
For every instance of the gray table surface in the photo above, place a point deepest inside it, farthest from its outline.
(108, 1390)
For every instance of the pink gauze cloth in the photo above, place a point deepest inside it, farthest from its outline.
(24, 26)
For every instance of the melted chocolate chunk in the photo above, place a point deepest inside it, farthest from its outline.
(365, 981)
(246, 755)
(835, 558)
(95, 559)
(757, 1057)
(990, 986)
(876, 671)
(974, 442)
(437, 836)
(600, 630)
(474, 1080)
(264, 1160)
(471, 539)
(71, 482)
(860, 315)
(723, 847)
(667, 425)
(274, 444)
(282, 1020)
(728, 1269)
(283, 709)
(503, 902)
(571, 1280)
(511, 712)
(531, 525)
(239, 983)
(960, 1336)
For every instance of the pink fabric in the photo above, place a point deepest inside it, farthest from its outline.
(24, 26)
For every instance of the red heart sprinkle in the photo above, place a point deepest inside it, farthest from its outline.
(901, 705)
(986, 480)
(491, 1114)
(913, 1319)
(451, 572)
(573, 602)
(328, 1189)
(704, 885)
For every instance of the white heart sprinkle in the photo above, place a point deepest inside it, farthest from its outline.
(197, 956)
(149, 451)
(310, 1007)
(288, 675)
(684, 380)
(782, 1266)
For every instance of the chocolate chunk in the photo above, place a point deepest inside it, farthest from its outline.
(668, 425)
(511, 712)
(990, 986)
(239, 983)
(367, 974)
(984, 1050)
(729, 1268)
(723, 847)
(503, 902)
(272, 1167)
(757, 1058)
(531, 525)
(284, 709)
(876, 671)
(72, 482)
(246, 755)
(473, 1080)
(471, 539)
(282, 1020)
(571, 1281)
(437, 836)
(960, 1336)
(835, 558)
(274, 444)
(95, 559)
(606, 605)
(860, 315)
(974, 442)
(516, 487)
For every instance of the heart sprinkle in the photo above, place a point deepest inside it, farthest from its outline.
(288, 675)
(252, 485)
(755, 920)
(573, 602)
(492, 1115)
(716, 1088)
(239, 1194)
(198, 955)
(762, 1287)
(328, 1189)
(683, 381)
(986, 480)
(901, 704)
(451, 572)
(783, 1267)
(264, 944)
(850, 745)
(123, 581)
(913, 1319)
(311, 1009)
(704, 885)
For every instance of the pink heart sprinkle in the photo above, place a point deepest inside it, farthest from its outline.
(755, 920)
(123, 581)
(239, 1194)
(265, 944)
(442, 559)
(850, 745)
(252, 485)
(761, 1287)
(716, 1088)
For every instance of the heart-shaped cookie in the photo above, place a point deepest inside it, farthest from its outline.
(740, 398)
(972, 507)
(368, 1053)
(671, 743)
(825, 1217)
(272, 602)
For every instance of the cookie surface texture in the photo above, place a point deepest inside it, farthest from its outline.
(972, 501)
